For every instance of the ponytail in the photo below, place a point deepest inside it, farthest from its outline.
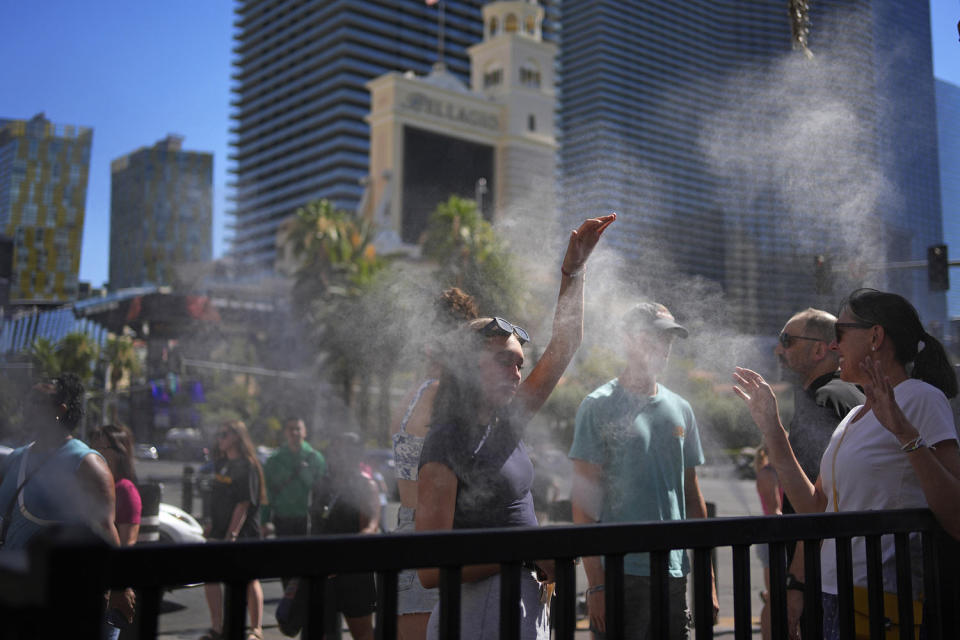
(933, 366)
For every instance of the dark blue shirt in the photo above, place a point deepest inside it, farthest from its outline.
(494, 474)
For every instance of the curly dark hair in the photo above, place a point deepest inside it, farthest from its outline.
(68, 391)
(453, 307)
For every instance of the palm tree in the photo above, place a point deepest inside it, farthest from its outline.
(334, 266)
(77, 353)
(470, 255)
(121, 358)
(43, 357)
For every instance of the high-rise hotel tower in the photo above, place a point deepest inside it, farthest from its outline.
(734, 158)
(43, 193)
(161, 212)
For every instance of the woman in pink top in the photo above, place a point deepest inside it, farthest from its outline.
(115, 444)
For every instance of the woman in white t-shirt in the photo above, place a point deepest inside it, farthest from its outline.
(898, 450)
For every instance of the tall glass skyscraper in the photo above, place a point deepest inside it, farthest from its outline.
(161, 213)
(733, 158)
(948, 121)
(300, 99)
(43, 194)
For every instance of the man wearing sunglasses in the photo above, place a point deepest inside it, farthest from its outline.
(635, 451)
(821, 399)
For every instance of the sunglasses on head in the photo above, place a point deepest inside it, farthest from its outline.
(501, 327)
(786, 339)
(840, 327)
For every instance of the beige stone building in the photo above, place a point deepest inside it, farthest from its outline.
(432, 137)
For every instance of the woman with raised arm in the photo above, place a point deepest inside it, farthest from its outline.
(408, 431)
(474, 469)
(898, 450)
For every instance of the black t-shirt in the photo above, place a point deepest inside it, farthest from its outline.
(235, 481)
(494, 474)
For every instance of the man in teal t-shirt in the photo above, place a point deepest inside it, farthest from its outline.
(290, 474)
(635, 452)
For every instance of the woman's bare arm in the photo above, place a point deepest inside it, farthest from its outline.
(567, 320)
(762, 404)
(436, 501)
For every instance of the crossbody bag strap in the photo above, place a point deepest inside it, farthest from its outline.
(24, 478)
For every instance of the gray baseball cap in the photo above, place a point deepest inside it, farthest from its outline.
(647, 316)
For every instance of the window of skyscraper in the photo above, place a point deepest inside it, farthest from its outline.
(494, 25)
(511, 23)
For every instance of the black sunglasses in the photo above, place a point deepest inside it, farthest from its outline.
(786, 340)
(501, 327)
(838, 327)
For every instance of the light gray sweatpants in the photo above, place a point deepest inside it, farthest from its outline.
(480, 611)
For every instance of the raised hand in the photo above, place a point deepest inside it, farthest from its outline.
(880, 398)
(759, 398)
(582, 242)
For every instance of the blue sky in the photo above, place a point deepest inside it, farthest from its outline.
(136, 71)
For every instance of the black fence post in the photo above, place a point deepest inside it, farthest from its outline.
(510, 595)
(186, 498)
(613, 594)
(450, 579)
(565, 600)
(742, 619)
(150, 497)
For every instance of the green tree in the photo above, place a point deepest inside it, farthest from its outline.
(43, 358)
(77, 353)
(336, 268)
(469, 255)
(121, 358)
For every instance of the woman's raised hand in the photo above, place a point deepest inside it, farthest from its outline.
(880, 398)
(759, 397)
(582, 242)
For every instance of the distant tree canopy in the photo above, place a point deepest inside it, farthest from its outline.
(470, 255)
(76, 353)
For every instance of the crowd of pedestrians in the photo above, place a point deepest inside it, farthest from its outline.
(871, 429)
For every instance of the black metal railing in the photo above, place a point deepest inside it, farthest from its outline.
(57, 589)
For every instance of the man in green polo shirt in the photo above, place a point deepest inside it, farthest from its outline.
(290, 474)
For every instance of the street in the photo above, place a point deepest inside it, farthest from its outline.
(184, 612)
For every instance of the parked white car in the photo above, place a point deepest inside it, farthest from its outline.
(175, 526)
